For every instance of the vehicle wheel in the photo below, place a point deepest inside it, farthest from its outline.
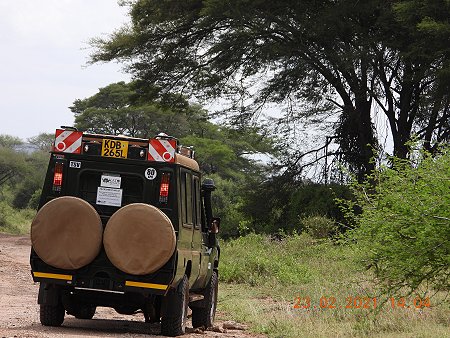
(84, 312)
(173, 322)
(51, 315)
(204, 316)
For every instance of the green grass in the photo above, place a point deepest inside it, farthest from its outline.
(15, 221)
(260, 279)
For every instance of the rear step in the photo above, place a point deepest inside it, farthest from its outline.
(193, 297)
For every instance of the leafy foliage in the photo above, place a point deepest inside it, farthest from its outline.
(12, 165)
(312, 199)
(32, 179)
(228, 151)
(43, 141)
(266, 300)
(229, 204)
(287, 203)
(342, 57)
(15, 221)
(21, 179)
(319, 226)
(119, 109)
(404, 230)
(8, 141)
(123, 108)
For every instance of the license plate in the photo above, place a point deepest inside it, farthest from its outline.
(114, 148)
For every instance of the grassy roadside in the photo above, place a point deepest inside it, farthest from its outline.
(14, 221)
(261, 279)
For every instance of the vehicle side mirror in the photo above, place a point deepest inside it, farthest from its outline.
(208, 184)
(213, 230)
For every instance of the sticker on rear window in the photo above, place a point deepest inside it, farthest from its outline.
(110, 181)
(150, 173)
(109, 196)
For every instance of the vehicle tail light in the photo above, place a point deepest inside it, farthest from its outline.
(58, 176)
(164, 188)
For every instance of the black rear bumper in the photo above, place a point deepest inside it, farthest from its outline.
(101, 275)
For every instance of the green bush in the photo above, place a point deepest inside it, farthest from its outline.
(313, 199)
(24, 192)
(33, 203)
(14, 221)
(279, 203)
(318, 226)
(24, 174)
(404, 230)
(227, 202)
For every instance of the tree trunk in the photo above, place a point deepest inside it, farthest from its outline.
(367, 140)
(355, 135)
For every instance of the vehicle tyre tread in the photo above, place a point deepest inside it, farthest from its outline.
(201, 316)
(51, 315)
(172, 323)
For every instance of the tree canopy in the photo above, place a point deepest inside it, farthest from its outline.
(123, 108)
(119, 109)
(347, 57)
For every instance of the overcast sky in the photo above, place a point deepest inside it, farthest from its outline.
(43, 60)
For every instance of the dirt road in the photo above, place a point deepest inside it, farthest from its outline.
(19, 311)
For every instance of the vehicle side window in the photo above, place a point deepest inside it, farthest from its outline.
(197, 207)
(187, 198)
(183, 197)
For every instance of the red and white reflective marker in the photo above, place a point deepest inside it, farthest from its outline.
(162, 150)
(68, 141)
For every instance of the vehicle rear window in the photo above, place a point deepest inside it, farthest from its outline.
(132, 190)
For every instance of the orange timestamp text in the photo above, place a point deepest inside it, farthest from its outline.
(356, 302)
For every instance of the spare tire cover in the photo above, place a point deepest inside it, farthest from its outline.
(139, 239)
(67, 233)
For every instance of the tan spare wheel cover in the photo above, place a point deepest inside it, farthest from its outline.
(139, 239)
(67, 233)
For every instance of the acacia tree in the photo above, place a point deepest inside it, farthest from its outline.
(348, 56)
(421, 74)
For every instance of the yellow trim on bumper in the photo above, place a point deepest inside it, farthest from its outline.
(52, 275)
(146, 285)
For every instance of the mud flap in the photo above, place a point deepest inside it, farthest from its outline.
(49, 294)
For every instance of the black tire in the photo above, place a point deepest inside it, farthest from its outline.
(51, 315)
(84, 312)
(204, 316)
(173, 322)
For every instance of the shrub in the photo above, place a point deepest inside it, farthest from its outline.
(227, 202)
(318, 226)
(15, 221)
(287, 201)
(404, 230)
(313, 199)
